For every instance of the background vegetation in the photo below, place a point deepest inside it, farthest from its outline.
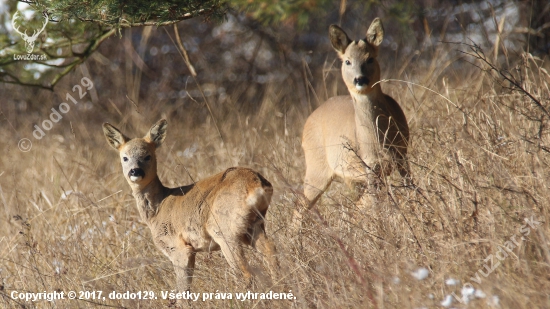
(473, 84)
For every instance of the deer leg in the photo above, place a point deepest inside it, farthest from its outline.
(403, 167)
(314, 188)
(184, 266)
(266, 247)
(357, 188)
(234, 255)
(368, 190)
(315, 184)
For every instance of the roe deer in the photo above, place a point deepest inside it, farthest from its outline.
(348, 132)
(224, 211)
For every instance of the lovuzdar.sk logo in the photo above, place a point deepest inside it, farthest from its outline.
(29, 39)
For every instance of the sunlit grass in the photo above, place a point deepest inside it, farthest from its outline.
(479, 161)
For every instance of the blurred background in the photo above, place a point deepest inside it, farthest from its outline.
(253, 60)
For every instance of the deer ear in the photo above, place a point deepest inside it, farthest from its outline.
(338, 38)
(114, 137)
(375, 34)
(157, 133)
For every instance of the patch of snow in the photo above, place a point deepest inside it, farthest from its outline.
(421, 273)
(447, 302)
(452, 281)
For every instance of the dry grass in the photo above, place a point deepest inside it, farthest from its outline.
(479, 159)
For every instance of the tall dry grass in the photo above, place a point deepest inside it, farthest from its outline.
(479, 155)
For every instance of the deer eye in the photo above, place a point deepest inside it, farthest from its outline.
(125, 159)
(370, 60)
(347, 62)
(147, 158)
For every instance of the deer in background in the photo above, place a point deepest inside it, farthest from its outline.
(354, 136)
(222, 212)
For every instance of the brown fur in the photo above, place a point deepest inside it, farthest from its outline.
(222, 212)
(346, 133)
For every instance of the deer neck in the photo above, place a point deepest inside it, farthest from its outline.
(149, 198)
(367, 107)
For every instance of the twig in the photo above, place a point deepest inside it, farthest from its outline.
(183, 53)
(506, 75)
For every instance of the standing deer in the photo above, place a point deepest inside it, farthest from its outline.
(351, 136)
(224, 211)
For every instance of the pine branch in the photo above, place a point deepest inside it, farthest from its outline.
(123, 23)
(95, 22)
(81, 57)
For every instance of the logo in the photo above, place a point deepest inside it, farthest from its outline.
(29, 40)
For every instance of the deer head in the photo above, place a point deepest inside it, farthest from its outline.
(360, 68)
(29, 40)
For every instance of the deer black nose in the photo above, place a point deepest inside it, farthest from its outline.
(361, 81)
(136, 172)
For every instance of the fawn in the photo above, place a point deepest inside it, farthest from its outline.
(222, 212)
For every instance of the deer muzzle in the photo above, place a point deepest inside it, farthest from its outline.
(136, 174)
(360, 82)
